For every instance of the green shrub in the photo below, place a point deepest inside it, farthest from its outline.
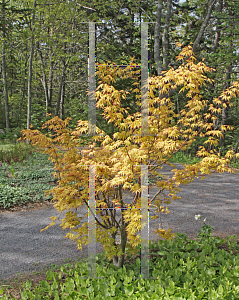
(15, 153)
(25, 182)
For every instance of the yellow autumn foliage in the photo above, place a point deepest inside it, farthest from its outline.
(117, 162)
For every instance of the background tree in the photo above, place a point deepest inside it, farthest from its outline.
(4, 64)
(60, 60)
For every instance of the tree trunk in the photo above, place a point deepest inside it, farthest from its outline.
(44, 82)
(63, 96)
(60, 99)
(50, 79)
(204, 25)
(211, 86)
(157, 37)
(119, 261)
(4, 75)
(157, 42)
(50, 84)
(30, 71)
(218, 30)
(23, 91)
(224, 109)
(60, 96)
(165, 41)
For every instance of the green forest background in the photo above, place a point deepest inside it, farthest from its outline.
(44, 55)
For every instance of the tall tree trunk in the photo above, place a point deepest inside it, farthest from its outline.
(44, 82)
(63, 95)
(23, 91)
(157, 37)
(4, 75)
(224, 109)
(50, 84)
(132, 22)
(211, 86)
(165, 41)
(60, 98)
(50, 79)
(204, 25)
(218, 30)
(63, 84)
(29, 90)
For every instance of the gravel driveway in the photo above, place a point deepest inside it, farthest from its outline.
(24, 249)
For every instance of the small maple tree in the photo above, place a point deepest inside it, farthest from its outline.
(117, 162)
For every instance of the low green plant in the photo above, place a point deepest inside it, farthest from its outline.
(205, 234)
(12, 170)
(235, 164)
(25, 182)
(16, 153)
(188, 159)
(10, 135)
(184, 268)
(184, 158)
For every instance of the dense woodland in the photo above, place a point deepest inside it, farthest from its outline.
(44, 52)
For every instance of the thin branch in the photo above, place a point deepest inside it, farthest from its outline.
(86, 7)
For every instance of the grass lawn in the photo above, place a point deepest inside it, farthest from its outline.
(203, 268)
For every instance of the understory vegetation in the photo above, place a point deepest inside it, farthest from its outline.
(24, 177)
(26, 173)
(184, 269)
(204, 268)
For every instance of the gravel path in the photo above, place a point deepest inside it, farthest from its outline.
(24, 249)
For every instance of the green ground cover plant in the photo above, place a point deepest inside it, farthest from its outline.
(10, 152)
(184, 158)
(187, 158)
(206, 268)
(25, 174)
(24, 177)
